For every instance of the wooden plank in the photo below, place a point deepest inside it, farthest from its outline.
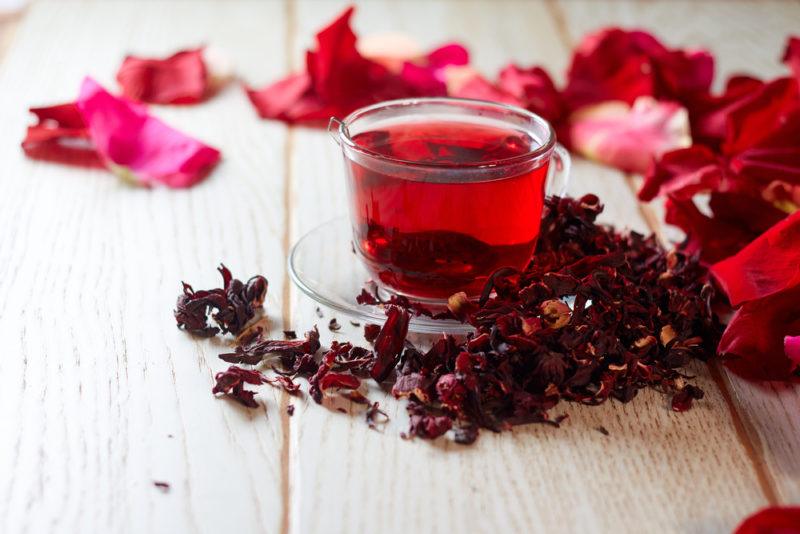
(101, 393)
(768, 410)
(653, 473)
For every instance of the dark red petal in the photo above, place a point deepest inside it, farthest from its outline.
(774, 520)
(61, 136)
(181, 78)
(390, 342)
(338, 380)
(682, 173)
(791, 56)
(755, 120)
(535, 88)
(768, 265)
(753, 342)
(615, 64)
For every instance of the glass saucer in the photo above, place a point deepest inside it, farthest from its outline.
(323, 266)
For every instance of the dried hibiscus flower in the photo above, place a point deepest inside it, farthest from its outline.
(231, 306)
(232, 381)
(597, 315)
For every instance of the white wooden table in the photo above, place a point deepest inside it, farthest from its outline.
(100, 394)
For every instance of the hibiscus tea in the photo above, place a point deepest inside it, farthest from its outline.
(424, 224)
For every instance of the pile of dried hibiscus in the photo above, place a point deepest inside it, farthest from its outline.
(598, 314)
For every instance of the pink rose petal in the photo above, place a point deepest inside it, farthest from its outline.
(135, 144)
(629, 138)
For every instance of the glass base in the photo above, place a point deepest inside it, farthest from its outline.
(322, 264)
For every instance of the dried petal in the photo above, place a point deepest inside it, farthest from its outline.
(181, 78)
(234, 305)
(791, 346)
(254, 347)
(375, 416)
(389, 342)
(615, 64)
(60, 136)
(683, 399)
(232, 381)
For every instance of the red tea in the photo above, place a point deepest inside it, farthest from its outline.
(434, 230)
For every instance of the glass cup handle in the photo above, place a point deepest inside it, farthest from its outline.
(335, 129)
(558, 174)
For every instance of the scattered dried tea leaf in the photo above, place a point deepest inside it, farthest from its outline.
(334, 325)
(231, 383)
(371, 332)
(375, 416)
(163, 486)
(254, 347)
(231, 307)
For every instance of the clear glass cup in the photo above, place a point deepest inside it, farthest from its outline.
(444, 191)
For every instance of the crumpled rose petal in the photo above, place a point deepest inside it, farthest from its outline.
(426, 77)
(466, 83)
(768, 265)
(535, 88)
(60, 136)
(753, 343)
(138, 146)
(754, 179)
(616, 64)
(682, 173)
(339, 79)
(181, 78)
(791, 56)
(773, 520)
(629, 138)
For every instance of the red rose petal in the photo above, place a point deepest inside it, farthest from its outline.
(60, 136)
(682, 173)
(774, 520)
(427, 77)
(535, 89)
(768, 265)
(753, 343)
(181, 78)
(615, 64)
(339, 79)
(791, 56)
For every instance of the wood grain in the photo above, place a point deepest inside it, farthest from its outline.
(102, 396)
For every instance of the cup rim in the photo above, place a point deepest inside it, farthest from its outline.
(539, 151)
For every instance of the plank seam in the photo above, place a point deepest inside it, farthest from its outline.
(286, 309)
